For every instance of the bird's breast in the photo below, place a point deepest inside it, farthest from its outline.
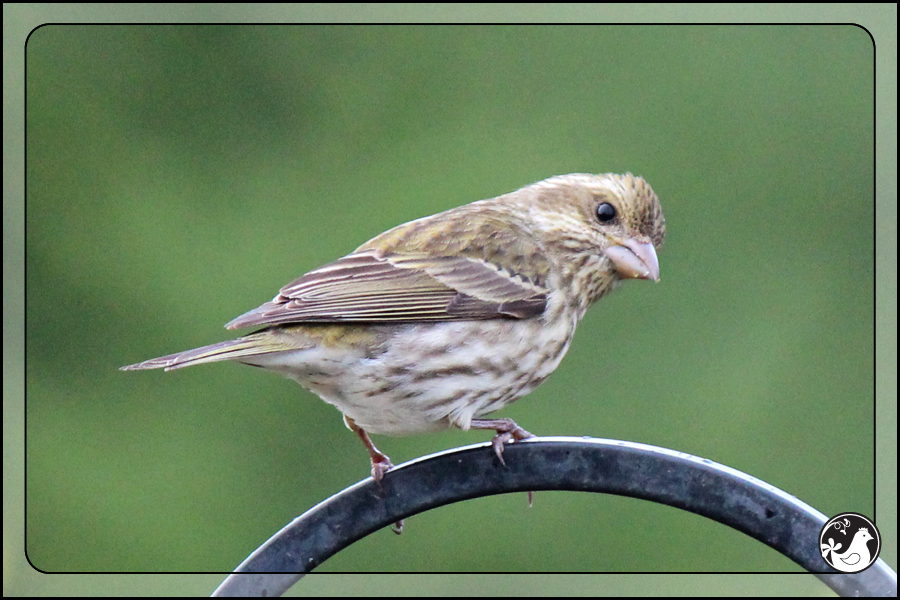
(429, 376)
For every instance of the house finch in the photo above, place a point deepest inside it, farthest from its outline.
(445, 319)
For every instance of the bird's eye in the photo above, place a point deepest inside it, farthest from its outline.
(606, 212)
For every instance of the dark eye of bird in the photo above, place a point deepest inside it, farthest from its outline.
(606, 212)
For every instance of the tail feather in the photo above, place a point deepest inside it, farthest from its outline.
(228, 350)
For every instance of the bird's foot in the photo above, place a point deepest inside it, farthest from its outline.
(507, 431)
(381, 464)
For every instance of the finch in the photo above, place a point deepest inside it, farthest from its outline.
(443, 320)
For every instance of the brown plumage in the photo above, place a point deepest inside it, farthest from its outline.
(445, 319)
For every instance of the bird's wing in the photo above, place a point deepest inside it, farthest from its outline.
(376, 287)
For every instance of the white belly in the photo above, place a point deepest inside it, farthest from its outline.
(462, 371)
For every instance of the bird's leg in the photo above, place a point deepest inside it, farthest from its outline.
(381, 464)
(507, 431)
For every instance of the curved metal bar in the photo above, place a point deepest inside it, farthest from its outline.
(695, 484)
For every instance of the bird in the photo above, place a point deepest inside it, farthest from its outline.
(855, 557)
(441, 321)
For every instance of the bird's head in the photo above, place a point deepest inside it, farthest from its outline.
(599, 229)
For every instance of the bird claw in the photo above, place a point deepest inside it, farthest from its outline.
(507, 433)
(500, 440)
(381, 465)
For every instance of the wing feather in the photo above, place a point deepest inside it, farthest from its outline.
(371, 286)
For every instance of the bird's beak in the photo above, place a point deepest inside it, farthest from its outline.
(634, 260)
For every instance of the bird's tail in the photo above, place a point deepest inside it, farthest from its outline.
(251, 345)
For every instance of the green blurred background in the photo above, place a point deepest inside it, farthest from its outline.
(178, 176)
